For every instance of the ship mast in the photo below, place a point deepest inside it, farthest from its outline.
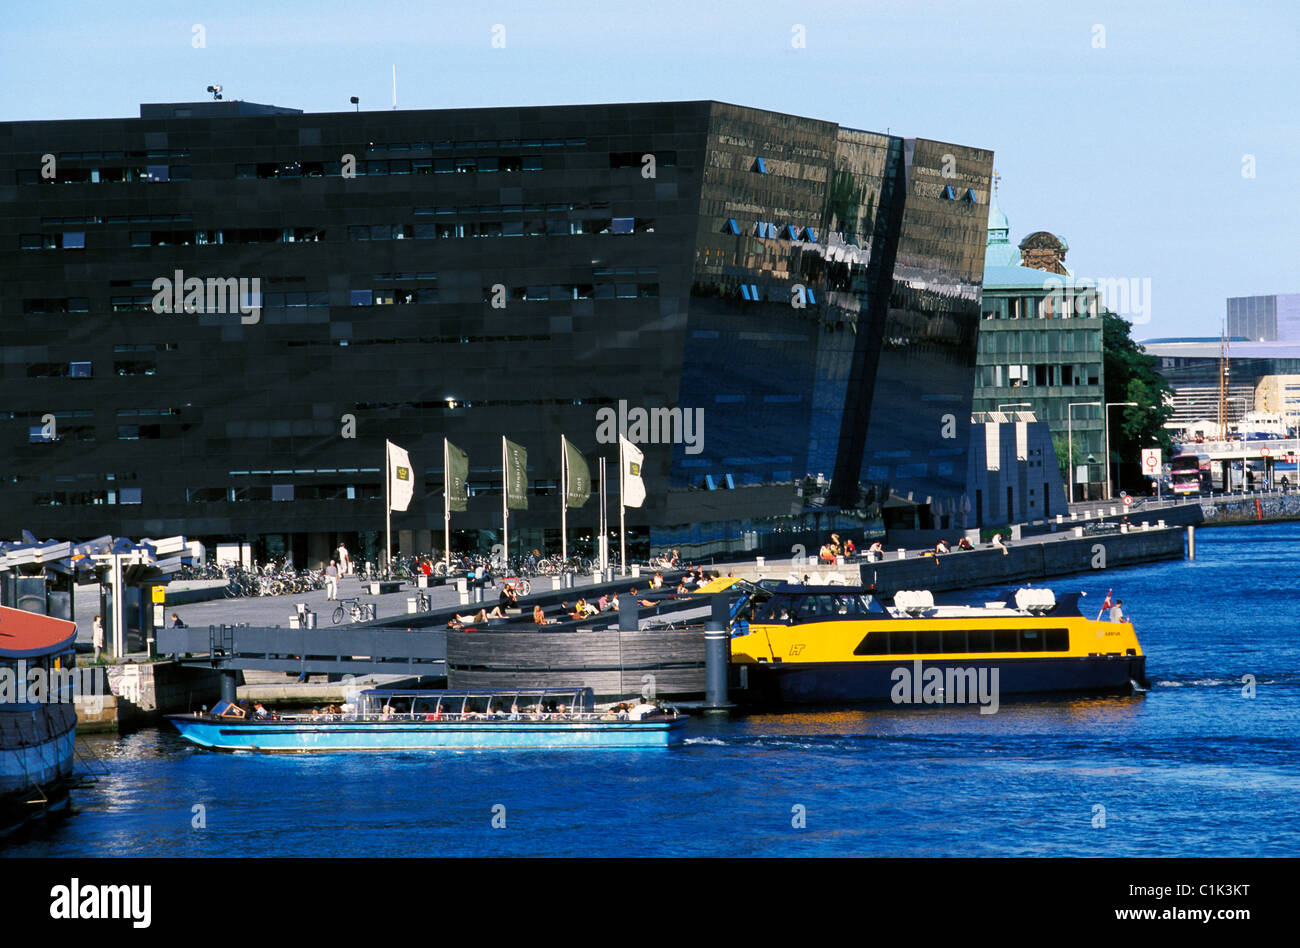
(1223, 381)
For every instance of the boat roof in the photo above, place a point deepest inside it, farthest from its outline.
(798, 589)
(721, 584)
(30, 635)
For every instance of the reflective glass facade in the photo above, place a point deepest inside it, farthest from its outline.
(812, 291)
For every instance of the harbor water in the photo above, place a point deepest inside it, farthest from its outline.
(1205, 764)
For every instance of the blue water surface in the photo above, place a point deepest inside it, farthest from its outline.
(1193, 768)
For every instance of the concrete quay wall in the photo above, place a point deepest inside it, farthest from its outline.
(1257, 509)
(1025, 562)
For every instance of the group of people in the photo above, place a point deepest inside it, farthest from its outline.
(834, 548)
(339, 567)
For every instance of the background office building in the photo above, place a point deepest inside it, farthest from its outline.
(1265, 318)
(813, 290)
(1040, 344)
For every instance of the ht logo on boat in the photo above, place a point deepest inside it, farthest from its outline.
(934, 685)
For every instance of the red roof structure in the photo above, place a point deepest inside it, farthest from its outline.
(29, 635)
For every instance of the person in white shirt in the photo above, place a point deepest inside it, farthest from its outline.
(345, 561)
(641, 709)
(332, 581)
(97, 638)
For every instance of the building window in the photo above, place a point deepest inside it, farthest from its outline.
(362, 298)
(128, 495)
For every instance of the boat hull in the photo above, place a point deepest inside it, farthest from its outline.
(326, 737)
(879, 681)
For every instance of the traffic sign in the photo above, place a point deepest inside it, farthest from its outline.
(1263, 452)
(1128, 501)
(1151, 460)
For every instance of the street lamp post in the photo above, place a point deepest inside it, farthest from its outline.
(1069, 438)
(1109, 406)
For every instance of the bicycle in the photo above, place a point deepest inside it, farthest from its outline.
(346, 607)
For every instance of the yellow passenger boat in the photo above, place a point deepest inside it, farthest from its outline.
(794, 644)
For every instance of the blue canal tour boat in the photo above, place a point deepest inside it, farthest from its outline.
(420, 720)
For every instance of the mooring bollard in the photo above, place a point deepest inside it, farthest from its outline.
(902, 554)
(759, 561)
(555, 582)
(636, 570)
(1191, 542)
(1078, 531)
(462, 589)
(1160, 524)
(715, 654)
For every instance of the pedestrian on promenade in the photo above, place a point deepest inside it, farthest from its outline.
(345, 561)
(998, 544)
(177, 623)
(97, 636)
(332, 581)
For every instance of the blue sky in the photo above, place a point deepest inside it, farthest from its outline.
(1133, 151)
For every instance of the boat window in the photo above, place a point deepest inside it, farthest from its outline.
(1006, 640)
(815, 607)
(902, 642)
(776, 610)
(929, 641)
(981, 640)
(1031, 640)
(1056, 640)
(954, 640)
(875, 643)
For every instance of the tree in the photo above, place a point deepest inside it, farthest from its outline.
(1131, 376)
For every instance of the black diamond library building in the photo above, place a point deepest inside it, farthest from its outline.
(809, 293)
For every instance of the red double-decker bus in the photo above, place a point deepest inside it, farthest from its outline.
(1190, 474)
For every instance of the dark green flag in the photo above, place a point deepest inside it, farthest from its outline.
(457, 475)
(516, 476)
(578, 487)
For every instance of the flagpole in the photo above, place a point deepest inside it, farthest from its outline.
(446, 505)
(600, 520)
(564, 500)
(388, 511)
(622, 531)
(505, 509)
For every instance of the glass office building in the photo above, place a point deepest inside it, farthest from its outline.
(805, 297)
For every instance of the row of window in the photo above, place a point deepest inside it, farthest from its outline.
(118, 219)
(444, 209)
(1044, 341)
(1078, 303)
(529, 228)
(62, 498)
(133, 174)
(940, 641)
(1028, 376)
(85, 370)
(374, 148)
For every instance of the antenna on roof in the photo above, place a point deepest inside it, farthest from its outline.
(394, 85)
(216, 92)
(356, 101)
